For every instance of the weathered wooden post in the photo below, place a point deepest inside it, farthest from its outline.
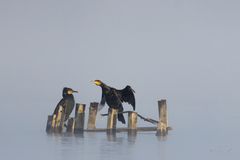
(70, 125)
(112, 120)
(132, 123)
(54, 121)
(162, 128)
(49, 127)
(51, 122)
(79, 118)
(59, 123)
(92, 115)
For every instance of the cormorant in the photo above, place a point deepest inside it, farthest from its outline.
(115, 97)
(67, 102)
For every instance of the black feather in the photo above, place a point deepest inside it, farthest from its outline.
(67, 102)
(103, 100)
(114, 98)
(121, 118)
(127, 95)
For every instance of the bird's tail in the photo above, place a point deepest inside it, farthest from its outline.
(121, 118)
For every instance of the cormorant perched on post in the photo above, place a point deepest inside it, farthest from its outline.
(114, 97)
(67, 102)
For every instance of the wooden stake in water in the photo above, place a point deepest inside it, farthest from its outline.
(79, 118)
(70, 125)
(92, 115)
(49, 127)
(162, 128)
(132, 120)
(132, 123)
(59, 123)
(112, 120)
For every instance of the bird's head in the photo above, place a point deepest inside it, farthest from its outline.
(97, 82)
(68, 91)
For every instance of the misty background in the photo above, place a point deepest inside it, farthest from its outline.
(185, 51)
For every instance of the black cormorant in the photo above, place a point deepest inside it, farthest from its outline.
(67, 102)
(114, 97)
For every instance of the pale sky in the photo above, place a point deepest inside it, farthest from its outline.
(185, 51)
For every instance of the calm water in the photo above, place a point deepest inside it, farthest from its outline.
(196, 139)
(199, 133)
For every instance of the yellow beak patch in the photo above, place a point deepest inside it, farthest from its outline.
(97, 83)
(70, 92)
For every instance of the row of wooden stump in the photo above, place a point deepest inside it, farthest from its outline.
(55, 123)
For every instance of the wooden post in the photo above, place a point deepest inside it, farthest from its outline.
(92, 115)
(49, 127)
(132, 123)
(162, 128)
(71, 125)
(79, 118)
(54, 121)
(132, 120)
(59, 123)
(112, 120)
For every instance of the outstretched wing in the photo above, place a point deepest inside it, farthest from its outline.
(127, 95)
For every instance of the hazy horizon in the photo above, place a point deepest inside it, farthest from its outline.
(184, 51)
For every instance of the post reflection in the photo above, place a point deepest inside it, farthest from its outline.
(132, 136)
(111, 136)
(161, 136)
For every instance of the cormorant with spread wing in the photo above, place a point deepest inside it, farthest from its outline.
(114, 97)
(67, 102)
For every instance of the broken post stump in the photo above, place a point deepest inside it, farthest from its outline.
(132, 123)
(162, 127)
(49, 127)
(92, 115)
(79, 118)
(55, 122)
(70, 125)
(59, 122)
(112, 120)
(132, 120)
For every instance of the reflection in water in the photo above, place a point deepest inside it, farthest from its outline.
(122, 145)
(111, 136)
(132, 135)
(162, 138)
(102, 145)
(79, 135)
(117, 145)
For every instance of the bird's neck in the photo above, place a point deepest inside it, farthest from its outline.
(68, 96)
(104, 87)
